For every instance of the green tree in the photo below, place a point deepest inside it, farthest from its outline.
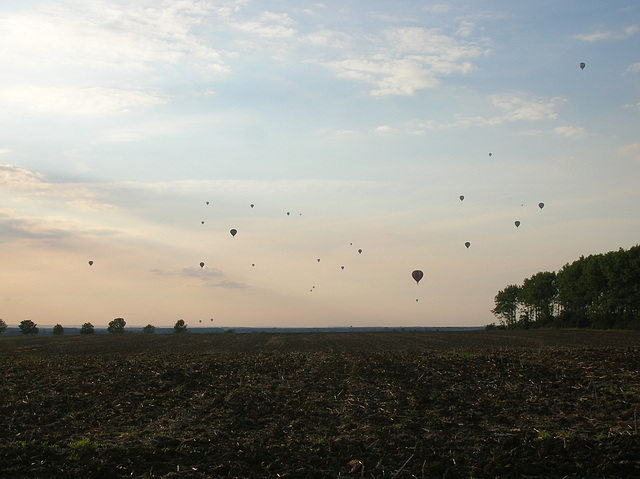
(117, 326)
(539, 295)
(506, 308)
(58, 330)
(180, 326)
(28, 327)
(3, 326)
(149, 329)
(87, 328)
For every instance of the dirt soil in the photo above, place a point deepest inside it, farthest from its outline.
(481, 404)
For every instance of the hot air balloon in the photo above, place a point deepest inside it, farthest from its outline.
(207, 202)
(90, 263)
(360, 251)
(252, 205)
(467, 244)
(202, 264)
(288, 213)
(253, 264)
(203, 222)
(489, 154)
(233, 231)
(540, 205)
(517, 223)
(582, 65)
(461, 197)
(417, 275)
(318, 260)
(341, 267)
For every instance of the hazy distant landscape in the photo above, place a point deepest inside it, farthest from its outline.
(537, 403)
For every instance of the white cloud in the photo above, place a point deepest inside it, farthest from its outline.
(411, 59)
(78, 101)
(632, 150)
(570, 132)
(516, 107)
(634, 68)
(611, 35)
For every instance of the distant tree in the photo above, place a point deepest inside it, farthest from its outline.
(539, 296)
(116, 326)
(87, 328)
(58, 330)
(28, 327)
(506, 309)
(3, 326)
(149, 329)
(180, 326)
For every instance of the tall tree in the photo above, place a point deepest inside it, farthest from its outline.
(117, 326)
(506, 305)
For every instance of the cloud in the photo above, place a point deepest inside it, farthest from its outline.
(191, 272)
(25, 185)
(632, 150)
(615, 35)
(516, 107)
(634, 68)
(408, 59)
(570, 132)
(79, 101)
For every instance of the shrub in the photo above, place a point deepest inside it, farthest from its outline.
(58, 330)
(149, 329)
(87, 328)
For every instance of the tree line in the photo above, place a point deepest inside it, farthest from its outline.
(116, 326)
(600, 291)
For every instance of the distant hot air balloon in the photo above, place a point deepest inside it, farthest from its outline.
(202, 264)
(467, 244)
(490, 154)
(582, 65)
(253, 264)
(341, 267)
(252, 205)
(203, 222)
(461, 197)
(417, 275)
(540, 205)
(288, 213)
(517, 223)
(318, 260)
(233, 231)
(90, 263)
(360, 251)
(199, 320)
(207, 202)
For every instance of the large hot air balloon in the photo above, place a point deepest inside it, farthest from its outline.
(582, 65)
(202, 264)
(461, 197)
(90, 263)
(540, 205)
(517, 223)
(467, 244)
(233, 231)
(417, 275)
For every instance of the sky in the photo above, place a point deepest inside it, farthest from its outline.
(352, 125)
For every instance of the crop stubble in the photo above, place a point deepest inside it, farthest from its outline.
(393, 404)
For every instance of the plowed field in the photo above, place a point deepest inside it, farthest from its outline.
(549, 404)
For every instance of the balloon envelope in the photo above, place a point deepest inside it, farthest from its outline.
(582, 65)
(201, 264)
(461, 197)
(233, 232)
(467, 244)
(517, 223)
(417, 275)
(90, 263)
(540, 205)
(252, 205)
(360, 251)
